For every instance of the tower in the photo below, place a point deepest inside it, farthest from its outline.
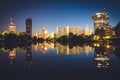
(87, 31)
(12, 26)
(44, 33)
(35, 34)
(100, 19)
(29, 26)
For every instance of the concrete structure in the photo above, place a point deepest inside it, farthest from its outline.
(66, 30)
(35, 34)
(12, 26)
(44, 33)
(52, 35)
(108, 31)
(100, 19)
(29, 26)
(86, 31)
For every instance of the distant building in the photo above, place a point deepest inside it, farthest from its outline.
(108, 30)
(86, 31)
(52, 35)
(29, 26)
(100, 19)
(66, 30)
(35, 34)
(44, 33)
(12, 26)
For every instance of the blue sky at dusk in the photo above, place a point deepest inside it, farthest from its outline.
(53, 13)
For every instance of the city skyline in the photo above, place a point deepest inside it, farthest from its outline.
(54, 13)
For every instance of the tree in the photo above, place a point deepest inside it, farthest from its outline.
(97, 31)
(117, 29)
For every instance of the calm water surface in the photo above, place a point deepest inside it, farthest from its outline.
(55, 61)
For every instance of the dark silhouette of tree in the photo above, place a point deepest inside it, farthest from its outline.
(102, 32)
(97, 31)
(1, 37)
(117, 29)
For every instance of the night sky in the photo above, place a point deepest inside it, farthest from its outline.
(53, 13)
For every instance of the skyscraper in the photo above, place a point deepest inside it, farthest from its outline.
(100, 20)
(43, 33)
(29, 26)
(12, 26)
(68, 29)
(86, 31)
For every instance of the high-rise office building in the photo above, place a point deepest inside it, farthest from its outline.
(35, 34)
(100, 20)
(43, 33)
(66, 30)
(86, 31)
(12, 26)
(29, 26)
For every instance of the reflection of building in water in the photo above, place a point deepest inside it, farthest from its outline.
(35, 46)
(29, 56)
(65, 49)
(74, 50)
(101, 60)
(51, 45)
(12, 55)
(101, 55)
(43, 46)
(109, 49)
(87, 49)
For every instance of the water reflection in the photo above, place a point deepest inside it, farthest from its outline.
(12, 55)
(61, 49)
(101, 51)
(29, 56)
(43, 46)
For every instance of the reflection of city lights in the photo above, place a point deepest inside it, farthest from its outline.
(96, 44)
(96, 37)
(87, 49)
(36, 47)
(107, 37)
(107, 46)
(12, 55)
(45, 31)
(102, 59)
(45, 48)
